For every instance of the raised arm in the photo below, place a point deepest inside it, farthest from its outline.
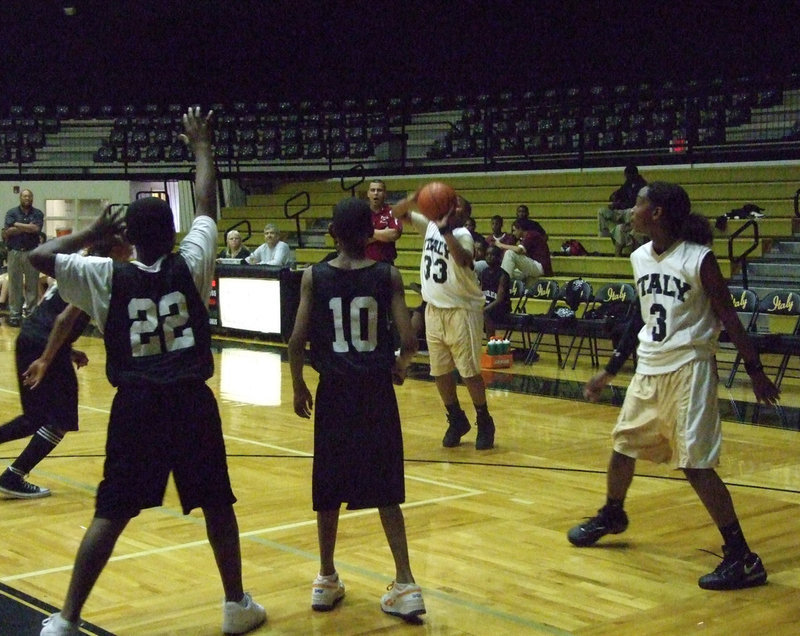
(197, 135)
(402, 209)
(109, 223)
(462, 254)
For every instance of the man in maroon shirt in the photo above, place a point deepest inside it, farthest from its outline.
(529, 259)
(497, 235)
(386, 228)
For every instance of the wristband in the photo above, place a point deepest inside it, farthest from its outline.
(615, 363)
(753, 368)
(444, 231)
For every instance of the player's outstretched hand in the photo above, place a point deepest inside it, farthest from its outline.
(303, 402)
(197, 129)
(110, 222)
(764, 388)
(595, 385)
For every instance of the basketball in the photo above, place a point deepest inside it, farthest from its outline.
(435, 200)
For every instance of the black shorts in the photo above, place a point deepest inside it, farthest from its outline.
(155, 430)
(358, 444)
(54, 403)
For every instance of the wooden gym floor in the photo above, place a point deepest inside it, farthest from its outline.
(486, 529)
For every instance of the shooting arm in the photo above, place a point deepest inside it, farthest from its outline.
(197, 135)
(110, 222)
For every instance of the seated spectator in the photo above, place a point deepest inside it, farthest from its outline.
(479, 263)
(476, 236)
(529, 259)
(234, 248)
(524, 213)
(496, 286)
(479, 244)
(273, 251)
(615, 220)
(498, 234)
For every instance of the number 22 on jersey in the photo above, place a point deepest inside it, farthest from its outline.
(157, 329)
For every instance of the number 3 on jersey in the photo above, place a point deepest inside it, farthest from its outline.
(659, 332)
(160, 329)
(435, 269)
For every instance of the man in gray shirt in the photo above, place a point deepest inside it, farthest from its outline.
(273, 251)
(21, 234)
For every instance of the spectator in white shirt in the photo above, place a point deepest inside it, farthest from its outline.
(273, 251)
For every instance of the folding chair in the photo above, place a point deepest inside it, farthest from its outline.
(777, 331)
(513, 321)
(782, 311)
(560, 318)
(544, 289)
(606, 313)
(745, 302)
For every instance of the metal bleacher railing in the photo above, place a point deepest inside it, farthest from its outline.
(556, 127)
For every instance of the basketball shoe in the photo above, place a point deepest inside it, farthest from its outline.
(607, 521)
(403, 600)
(56, 625)
(17, 487)
(241, 617)
(484, 440)
(458, 426)
(736, 571)
(325, 593)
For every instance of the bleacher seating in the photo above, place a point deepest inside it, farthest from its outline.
(593, 127)
(532, 127)
(565, 203)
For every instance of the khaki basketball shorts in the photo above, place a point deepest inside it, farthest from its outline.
(672, 417)
(455, 337)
